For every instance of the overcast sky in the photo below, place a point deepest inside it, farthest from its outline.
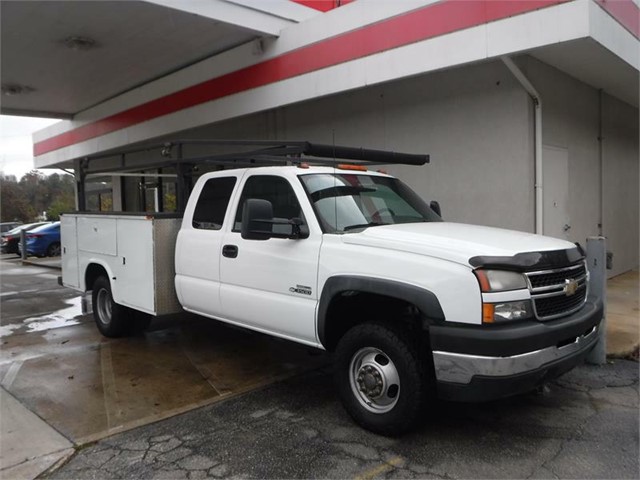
(16, 148)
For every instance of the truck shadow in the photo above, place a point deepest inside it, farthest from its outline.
(88, 387)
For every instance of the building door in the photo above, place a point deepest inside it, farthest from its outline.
(555, 184)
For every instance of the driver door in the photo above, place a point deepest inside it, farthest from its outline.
(271, 285)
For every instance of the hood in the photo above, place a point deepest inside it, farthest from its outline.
(455, 242)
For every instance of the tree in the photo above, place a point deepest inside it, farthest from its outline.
(14, 206)
(62, 204)
(34, 194)
(59, 189)
(32, 185)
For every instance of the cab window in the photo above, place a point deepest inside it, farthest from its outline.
(212, 203)
(276, 190)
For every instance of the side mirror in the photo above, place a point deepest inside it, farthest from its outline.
(257, 216)
(435, 206)
(258, 223)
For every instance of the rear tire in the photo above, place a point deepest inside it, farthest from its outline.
(381, 377)
(112, 320)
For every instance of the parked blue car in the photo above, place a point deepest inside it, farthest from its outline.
(44, 241)
(11, 239)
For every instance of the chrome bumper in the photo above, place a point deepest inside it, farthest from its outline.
(461, 368)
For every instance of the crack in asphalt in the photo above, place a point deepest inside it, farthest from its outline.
(308, 436)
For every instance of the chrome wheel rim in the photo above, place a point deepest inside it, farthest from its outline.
(374, 380)
(103, 306)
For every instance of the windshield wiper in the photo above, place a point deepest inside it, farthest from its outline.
(364, 225)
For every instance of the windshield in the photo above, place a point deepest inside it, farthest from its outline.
(350, 202)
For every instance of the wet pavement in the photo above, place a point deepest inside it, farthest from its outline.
(623, 314)
(55, 363)
(583, 426)
(57, 368)
(88, 387)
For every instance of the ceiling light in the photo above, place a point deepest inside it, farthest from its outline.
(77, 42)
(11, 89)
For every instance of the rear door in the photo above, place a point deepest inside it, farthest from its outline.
(271, 285)
(555, 170)
(198, 246)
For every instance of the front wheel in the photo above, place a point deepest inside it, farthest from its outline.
(382, 378)
(112, 320)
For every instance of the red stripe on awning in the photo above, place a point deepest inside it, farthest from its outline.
(321, 5)
(625, 12)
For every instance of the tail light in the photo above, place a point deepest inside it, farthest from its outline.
(34, 235)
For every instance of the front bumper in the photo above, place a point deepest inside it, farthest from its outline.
(491, 363)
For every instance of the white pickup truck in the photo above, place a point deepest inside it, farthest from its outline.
(354, 262)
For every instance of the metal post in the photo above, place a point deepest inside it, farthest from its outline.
(597, 265)
(182, 187)
(160, 194)
(80, 184)
(23, 244)
(116, 193)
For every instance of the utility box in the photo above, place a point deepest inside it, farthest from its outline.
(136, 252)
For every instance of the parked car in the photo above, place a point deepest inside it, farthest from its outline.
(6, 226)
(11, 239)
(44, 241)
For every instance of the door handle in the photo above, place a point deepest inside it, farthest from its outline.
(230, 251)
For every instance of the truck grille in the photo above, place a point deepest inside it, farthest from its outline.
(559, 292)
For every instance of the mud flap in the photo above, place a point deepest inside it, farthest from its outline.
(86, 303)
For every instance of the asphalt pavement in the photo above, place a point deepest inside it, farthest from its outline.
(585, 425)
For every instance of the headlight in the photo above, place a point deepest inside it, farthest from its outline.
(506, 312)
(500, 280)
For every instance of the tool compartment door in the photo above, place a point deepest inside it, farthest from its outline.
(69, 240)
(134, 283)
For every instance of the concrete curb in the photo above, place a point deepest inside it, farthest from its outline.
(38, 467)
(45, 265)
(30, 445)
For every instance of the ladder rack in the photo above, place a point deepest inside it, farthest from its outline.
(245, 153)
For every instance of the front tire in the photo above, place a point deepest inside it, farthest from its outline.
(382, 378)
(112, 320)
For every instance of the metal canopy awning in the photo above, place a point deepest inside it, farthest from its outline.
(59, 58)
(593, 64)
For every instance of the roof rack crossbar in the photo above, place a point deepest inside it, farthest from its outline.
(365, 154)
(282, 148)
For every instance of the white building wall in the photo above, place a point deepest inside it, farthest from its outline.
(621, 180)
(570, 120)
(475, 122)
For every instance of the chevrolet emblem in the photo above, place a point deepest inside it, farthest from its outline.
(570, 287)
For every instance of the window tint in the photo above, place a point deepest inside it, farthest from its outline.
(275, 189)
(213, 202)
